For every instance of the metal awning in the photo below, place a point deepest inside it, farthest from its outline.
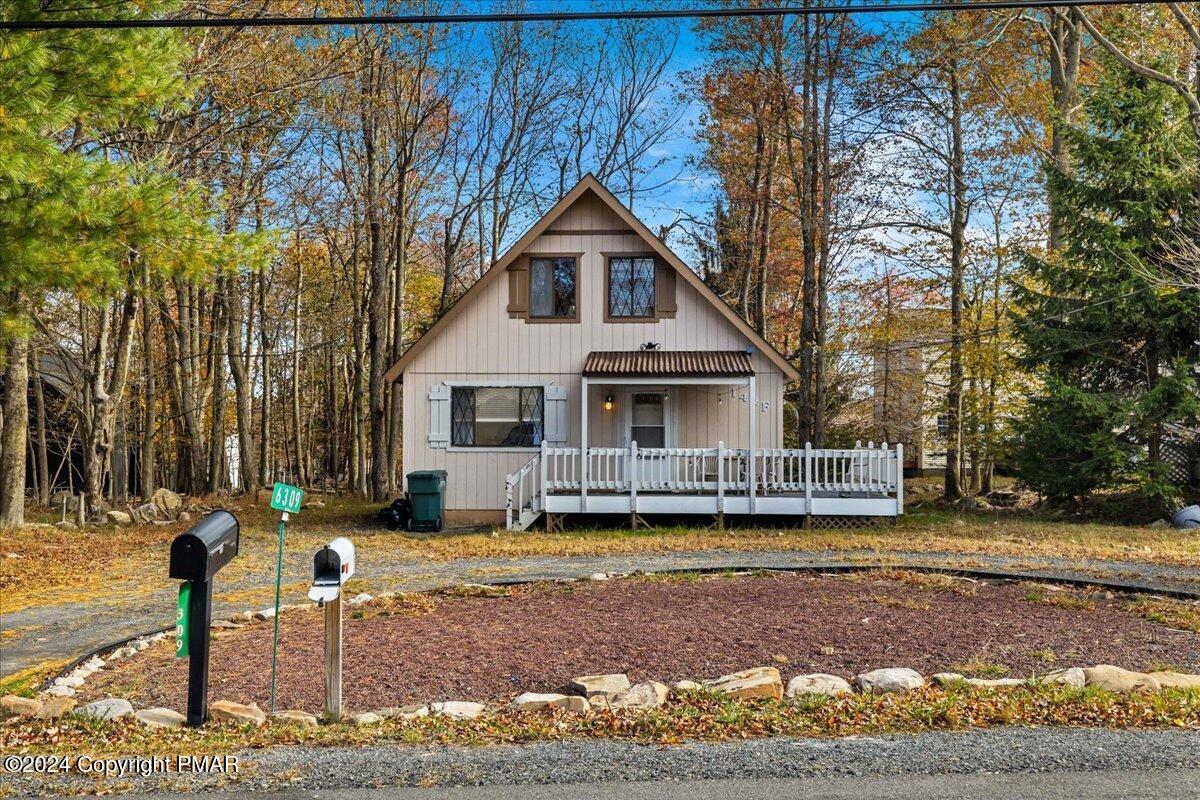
(667, 364)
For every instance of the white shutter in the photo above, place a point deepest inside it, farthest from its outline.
(556, 414)
(439, 416)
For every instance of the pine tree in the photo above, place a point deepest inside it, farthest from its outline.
(72, 212)
(1113, 344)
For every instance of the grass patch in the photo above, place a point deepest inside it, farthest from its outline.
(1045, 595)
(691, 716)
(1179, 614)
(25, 682)
(58, 566)
(926, 581)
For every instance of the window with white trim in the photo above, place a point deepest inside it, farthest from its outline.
(496, 416)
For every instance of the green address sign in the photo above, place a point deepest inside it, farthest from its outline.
(183, 619)
(287, 498)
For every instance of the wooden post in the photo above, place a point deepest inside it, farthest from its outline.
(899, 480)
(753, 439)
(81, 511)
(721, 485)
(333, 659)
(632, 470)
(808, 484)
(542, 490)
(583, 446)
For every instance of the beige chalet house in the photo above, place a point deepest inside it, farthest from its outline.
(590, 371)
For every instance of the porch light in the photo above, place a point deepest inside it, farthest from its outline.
(608, 402)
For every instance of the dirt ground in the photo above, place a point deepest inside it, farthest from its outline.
(431, 647)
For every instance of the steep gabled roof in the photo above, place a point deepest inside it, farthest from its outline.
(586, 184)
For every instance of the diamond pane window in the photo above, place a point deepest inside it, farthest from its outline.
(631, 287)
(496, 416)
(552, 288)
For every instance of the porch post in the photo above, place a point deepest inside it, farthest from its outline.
(721, 485)
(899, 479)
(753, 439)
(583, 445)
(631, 471)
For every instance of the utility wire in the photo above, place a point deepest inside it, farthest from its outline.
(555, 16)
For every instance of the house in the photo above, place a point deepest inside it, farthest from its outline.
(590, 371)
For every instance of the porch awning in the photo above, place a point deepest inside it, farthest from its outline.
(667, 364)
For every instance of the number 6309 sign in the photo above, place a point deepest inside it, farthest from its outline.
(287, 498)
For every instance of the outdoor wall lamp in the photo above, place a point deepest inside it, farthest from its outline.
(608, 402)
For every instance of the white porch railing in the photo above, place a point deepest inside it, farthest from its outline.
(869, 472)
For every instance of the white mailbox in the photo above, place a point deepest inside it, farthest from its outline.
(332, 567)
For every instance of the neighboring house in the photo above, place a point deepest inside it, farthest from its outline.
(590, 336)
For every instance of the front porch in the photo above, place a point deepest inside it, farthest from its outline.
(860, 481)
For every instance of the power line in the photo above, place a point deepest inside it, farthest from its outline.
(555, 16)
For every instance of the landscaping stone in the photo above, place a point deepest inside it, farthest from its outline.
(160, 717)
(167, 501)
(1071, 676)
(108, 708)
(457, 709)
(750, 683)
(147, 511)
(948, 680)
(66, 525)
(407, 712)
(242, 616)
(359, 599)
(118, 517)
(1176, 680)
(996, 683)
(60, 691)
(679, 687)
(641, 696)
(817, 683)
(69, 680)
(12, 705)
(95, 663)
(591, 685)
(297, 717)
(183, 517)
(55, 707)
(366, 718)
(532, 701)
(889, 679)
(1115, 679)
(266, 613)
(242, 714)
(599, 576)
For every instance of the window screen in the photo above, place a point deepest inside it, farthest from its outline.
(496, 416)
(631, 287)
(552, 287)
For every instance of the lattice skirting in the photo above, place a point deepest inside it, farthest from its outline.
(835, 522)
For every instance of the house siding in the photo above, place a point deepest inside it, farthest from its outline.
(484, 344)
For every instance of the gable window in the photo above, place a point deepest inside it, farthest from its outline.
(631, 287)
(496, 416)
(552, 288)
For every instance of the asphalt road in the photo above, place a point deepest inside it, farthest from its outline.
(1132, 785)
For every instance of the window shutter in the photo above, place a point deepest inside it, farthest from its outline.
(439, 416)
(518, 288)
(556, 414)
(664, 290)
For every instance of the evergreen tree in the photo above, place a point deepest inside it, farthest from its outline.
(77, 213)
(1113, 343)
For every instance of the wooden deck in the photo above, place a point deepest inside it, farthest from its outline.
(859, 481)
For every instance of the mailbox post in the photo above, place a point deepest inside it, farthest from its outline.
(333, 565)
(196, 556)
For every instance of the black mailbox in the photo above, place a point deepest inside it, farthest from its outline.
(197, 554)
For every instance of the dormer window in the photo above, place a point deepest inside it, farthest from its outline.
(552, 283)
(631, 287)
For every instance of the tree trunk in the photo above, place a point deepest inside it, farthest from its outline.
(264, 417)
(217, 472)
(958, 227)
(297, 444)
(41, 459)
(146, 455)
(12, 439)
(1065, 48)
(247, 468)
(107, 388)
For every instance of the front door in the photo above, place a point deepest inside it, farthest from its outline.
(649, 424)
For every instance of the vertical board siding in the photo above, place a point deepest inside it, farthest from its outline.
(484, 344)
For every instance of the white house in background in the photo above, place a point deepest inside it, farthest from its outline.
(591, 371)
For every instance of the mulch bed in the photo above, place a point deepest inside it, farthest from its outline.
(491, 648)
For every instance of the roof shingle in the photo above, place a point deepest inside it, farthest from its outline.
(667, 363)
